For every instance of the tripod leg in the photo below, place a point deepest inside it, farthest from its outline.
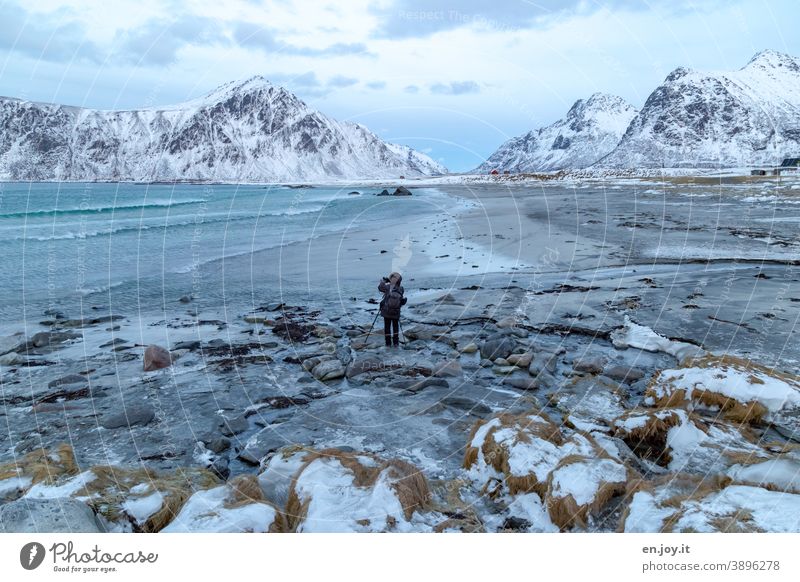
(371, 326)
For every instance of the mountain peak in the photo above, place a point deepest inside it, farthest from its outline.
(248, 85)
(771, 59)
(678, 73)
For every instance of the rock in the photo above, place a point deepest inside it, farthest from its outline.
(591, 365)
(61, 515)
(12, 359)
(265, 441)
(233, 426)
(363, 364)
(419, 385)
(486, 364)
(501, 362)
(322, 331)
(46, 338)
(344, 355)
(507, 322)
(467, 405)
(328, 370)
(221, 468)
(522, 383)
(69, 379)
(116, 342)
(131, 415)
(263, 319)
(401, 191)
(451, 368)
(623, 374)
(292, 331)
(384, 192)
(354, 193)
(520, 360)
(188, 345)
(470, 348)
(429, 333)
(54, 313)
(11, 343)
(79, 323)
(274, 306)
(156, 358)
(514, 523)
(543, 361)
(218, 445)
(497, 346)
(186, 299)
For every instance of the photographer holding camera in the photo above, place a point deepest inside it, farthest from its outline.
(391, 303)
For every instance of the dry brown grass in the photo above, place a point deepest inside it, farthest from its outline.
(566, 513)
(730, 408)
(43, 466)
(408, 482)
(685, 487)
(534, 425)
(112, 488)
(649, 441)
(446, 499)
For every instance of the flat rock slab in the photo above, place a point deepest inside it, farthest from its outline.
(135, 414)
(63, 515)
(623, 374)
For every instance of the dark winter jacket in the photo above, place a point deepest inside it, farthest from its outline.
(387, 311)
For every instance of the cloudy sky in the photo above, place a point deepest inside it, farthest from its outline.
(453, 78)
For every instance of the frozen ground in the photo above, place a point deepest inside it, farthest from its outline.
(550, 387)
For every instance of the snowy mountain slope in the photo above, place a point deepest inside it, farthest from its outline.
(591, 129)
(242, 131)
(740, 118)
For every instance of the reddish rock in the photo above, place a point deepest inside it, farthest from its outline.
(155, 358)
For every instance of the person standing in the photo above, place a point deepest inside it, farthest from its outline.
(393, 300)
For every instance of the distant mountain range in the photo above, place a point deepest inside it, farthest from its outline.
(591, 129)
(242, 131)
(732, 119)
(254, 131)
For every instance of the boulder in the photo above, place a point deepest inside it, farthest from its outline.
(261, 444)
(328, 370)
(543, 361)
(46, 338)
(449, 368)
(520, 360)
(384, 192)
(590, 365)
(497, 346)
(470, 348)
(60, 515)
(363, 364)
(233, 426)
(526, 384)
(156, 358)
(401, 191)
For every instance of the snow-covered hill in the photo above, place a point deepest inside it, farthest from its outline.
(242, 131)
(590, 130)
(732, 119)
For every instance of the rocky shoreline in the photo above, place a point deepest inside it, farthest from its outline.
(508, 408)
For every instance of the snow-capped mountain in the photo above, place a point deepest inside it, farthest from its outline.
(242, 131)
(740, 118)
(591, 129)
